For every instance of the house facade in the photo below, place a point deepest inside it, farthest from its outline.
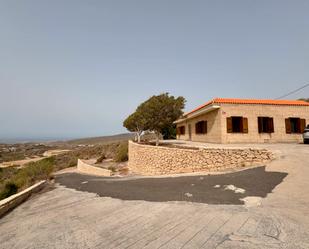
(245, 121)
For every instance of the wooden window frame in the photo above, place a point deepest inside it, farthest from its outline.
(300, 125)
(201, 127)
(266, 124)
(181, 130)
(243, 128)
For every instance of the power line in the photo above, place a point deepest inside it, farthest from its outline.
(298, 89)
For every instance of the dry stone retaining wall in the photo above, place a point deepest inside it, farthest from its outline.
(87, 168)
(159, 160)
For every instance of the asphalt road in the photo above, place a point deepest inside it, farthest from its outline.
(210, 189)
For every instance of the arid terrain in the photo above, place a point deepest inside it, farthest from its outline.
(27, 163)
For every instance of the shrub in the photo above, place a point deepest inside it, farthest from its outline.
(10, 188)
(101, 158)
(35, 171)
(122, 153)
(112, 168)
(66, 160)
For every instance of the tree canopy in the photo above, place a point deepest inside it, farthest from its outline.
(156, 114)
(135, 123)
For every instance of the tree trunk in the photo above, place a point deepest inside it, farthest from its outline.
(138, 137)
(157, 138)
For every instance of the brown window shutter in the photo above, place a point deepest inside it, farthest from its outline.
(229, 126)
(287, 126)
(197, 128)
(260, 124)
(271, 125)
(302, 125)
(245, 125)
(205, 126)
(177, 130)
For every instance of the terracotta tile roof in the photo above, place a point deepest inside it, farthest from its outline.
(251, 101)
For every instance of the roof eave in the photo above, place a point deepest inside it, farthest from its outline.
(204, 110)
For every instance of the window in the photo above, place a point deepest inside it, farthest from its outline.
(181, 130)
(295, 125)
(237, 125)
(266, 124)
(201, 127)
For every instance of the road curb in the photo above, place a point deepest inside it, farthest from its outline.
(13, 201)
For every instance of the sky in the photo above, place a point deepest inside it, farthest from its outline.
(78, 68)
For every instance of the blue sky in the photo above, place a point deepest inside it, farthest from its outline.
(73, 68)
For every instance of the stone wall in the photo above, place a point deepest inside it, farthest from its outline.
(217, 131)
(159, 160)
(213, 135)
(252, 112)
(86, 168)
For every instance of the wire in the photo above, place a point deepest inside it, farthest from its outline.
(298, 89)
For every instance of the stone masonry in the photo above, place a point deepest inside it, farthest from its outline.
(86, 167)
(159, 160)
(217, 124)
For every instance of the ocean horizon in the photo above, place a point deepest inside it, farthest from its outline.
(34, 140)
(15, 140)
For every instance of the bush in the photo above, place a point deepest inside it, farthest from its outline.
(112, 168)
(122, 153)
(101, 158)
(34, 171)
(10, 188)
(66, 160)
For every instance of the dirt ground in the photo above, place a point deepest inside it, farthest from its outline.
(21, 163)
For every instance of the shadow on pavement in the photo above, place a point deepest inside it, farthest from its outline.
(210, 189)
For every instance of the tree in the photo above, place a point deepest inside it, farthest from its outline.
(159, 112)
(135, 123)
(156, 114)
(169, 132)
(304, 99)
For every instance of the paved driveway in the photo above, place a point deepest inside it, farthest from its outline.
(68, 218)
(231, 188)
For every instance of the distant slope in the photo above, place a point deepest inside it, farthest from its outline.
(103, 139)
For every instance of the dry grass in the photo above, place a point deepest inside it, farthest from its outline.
(14, 180)
(121, 154)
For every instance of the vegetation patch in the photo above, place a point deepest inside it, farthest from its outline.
(14, 180)
(17, 152)
(112, 168)
(10, 188)
(101, 159)
(121, 153)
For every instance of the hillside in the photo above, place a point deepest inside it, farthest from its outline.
(102, 140)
